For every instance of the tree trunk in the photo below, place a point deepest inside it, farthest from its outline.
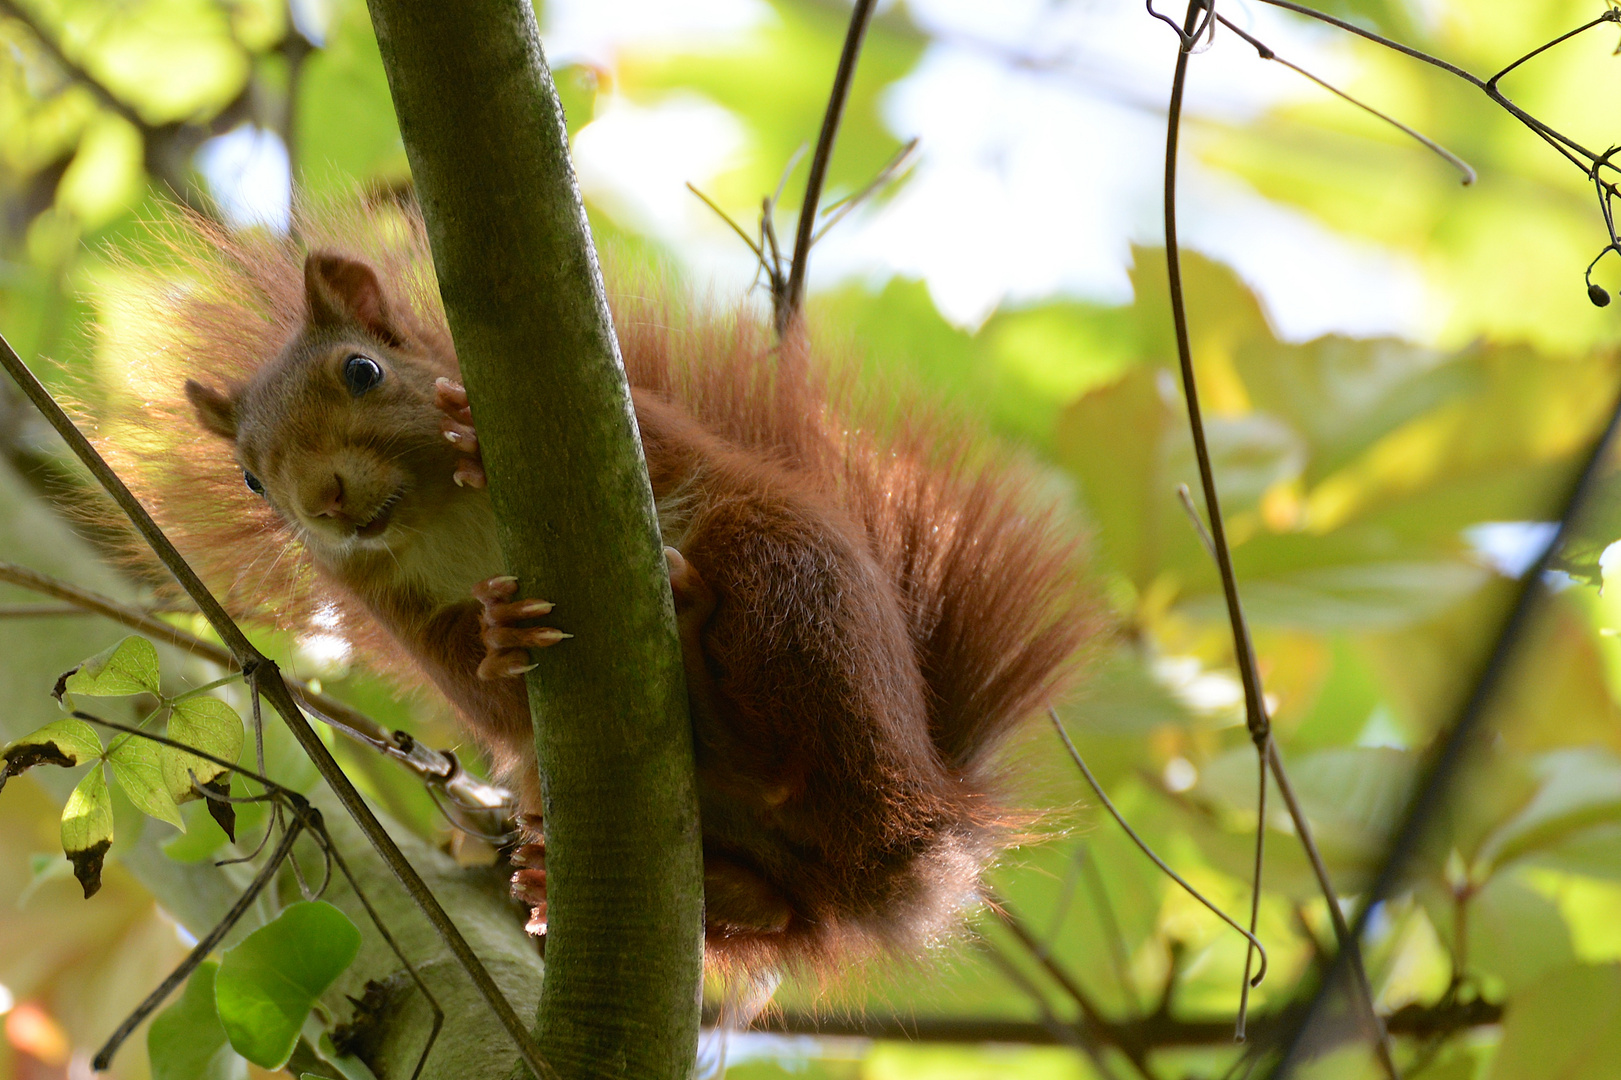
(489, 154)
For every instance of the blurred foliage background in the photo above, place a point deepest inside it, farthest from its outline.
(1401, 376)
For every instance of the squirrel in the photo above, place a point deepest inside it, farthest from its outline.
(868, 601)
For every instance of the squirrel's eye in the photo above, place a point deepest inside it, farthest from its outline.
(253, 483)
(361, 373)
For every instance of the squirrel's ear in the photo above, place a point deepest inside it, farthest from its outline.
(215, 411)
(344, 293)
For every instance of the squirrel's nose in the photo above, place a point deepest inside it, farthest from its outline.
(327, 500)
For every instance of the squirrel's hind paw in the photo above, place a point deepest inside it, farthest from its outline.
(504, 629)
(529, 879)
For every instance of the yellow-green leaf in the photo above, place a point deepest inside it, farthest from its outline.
(87, 829)
(209, 725)
(64, 742)
(136, 767)
(130, 667)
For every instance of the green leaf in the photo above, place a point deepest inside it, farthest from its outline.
(1580, 789)
(1516, 934)
(186, 1042)
(1568, 1024)
(87, 829)
(130, 667)
(268, 984)
(63, 742)
(1366, 596)
(209, 725)
(138, 769)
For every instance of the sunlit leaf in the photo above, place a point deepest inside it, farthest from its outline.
(209, 725)
(129, 667)
(138, 767)
(1365, 596)
(267, 985)
(1567, 1024)
(1516, 934)
(65, 742)
(186, 1042)
(87, 829)
(345, 117)
(1580, 789)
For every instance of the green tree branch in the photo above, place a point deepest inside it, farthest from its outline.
(489, 154)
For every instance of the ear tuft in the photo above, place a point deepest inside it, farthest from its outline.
(344, 293)
(215, 411)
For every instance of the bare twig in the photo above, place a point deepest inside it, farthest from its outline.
(38, 611)
(1080, 1037)
(1152, 1033)
(892, 168)
(1097, 789)
(1091, 1016)
(1266, 53)
(1243, 648)
(1567, 147)
(795, 299)
(266, 678)
(1255, 892)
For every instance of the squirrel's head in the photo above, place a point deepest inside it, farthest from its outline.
(340, 433)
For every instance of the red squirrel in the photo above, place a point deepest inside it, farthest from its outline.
(868, 604)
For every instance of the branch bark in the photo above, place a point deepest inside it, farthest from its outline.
(489, 154)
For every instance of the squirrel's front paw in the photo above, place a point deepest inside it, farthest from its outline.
(457, 423)
(505, 629)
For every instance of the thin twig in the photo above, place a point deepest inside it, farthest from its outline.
(1079, 1036)
(1091, 1016)
(1103, 797)
(1153, 1033)
(1266, 52)
(265, 677)
(38, 611)
(1566, 146)
(724, 216)
(841, 209)
(1243, 648)
(795, 299)
(1255, 891)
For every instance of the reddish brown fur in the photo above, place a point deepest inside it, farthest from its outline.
(890, 601)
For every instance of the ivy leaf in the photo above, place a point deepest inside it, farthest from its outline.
(130, 667)
(186, 1042)
(87, 829)
(138, 769)
(63, 742)
(209, 725)
(267, 985)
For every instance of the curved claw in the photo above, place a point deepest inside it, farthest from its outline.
(504, 632)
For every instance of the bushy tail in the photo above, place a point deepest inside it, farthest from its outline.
(1000, 596)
